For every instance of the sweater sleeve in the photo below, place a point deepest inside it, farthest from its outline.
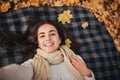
(90, 78)
(17, 72)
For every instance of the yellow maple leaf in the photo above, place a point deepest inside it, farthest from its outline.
(65, 17)
(68, 42)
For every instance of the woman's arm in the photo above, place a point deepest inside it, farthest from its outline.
(16, 72)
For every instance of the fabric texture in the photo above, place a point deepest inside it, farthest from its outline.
(98, 49)
(42, 61)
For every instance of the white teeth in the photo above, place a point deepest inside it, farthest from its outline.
(49, 44)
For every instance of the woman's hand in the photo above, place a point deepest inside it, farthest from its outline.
(80, 66)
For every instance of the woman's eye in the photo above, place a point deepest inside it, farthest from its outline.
(52, 34)
(42, 36)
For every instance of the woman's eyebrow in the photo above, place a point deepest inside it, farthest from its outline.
(52, 31)
(41, 33)
(49, 31)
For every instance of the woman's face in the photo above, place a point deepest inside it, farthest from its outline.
(48, 38)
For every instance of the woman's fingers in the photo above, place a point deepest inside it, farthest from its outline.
(77, 63)
(78, 60)
(80, 66)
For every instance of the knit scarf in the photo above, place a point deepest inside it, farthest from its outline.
(43, 60)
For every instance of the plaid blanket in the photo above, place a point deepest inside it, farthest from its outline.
(98, 51)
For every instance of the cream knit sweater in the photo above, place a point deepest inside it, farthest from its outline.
(25, 72)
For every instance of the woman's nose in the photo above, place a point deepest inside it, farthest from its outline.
(47, 38)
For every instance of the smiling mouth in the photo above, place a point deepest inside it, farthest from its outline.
(49, 44)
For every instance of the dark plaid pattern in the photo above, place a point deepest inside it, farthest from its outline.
(98, 51)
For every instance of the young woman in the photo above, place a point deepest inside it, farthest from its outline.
(53, 59)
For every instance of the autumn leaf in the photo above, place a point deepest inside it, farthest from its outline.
(71, 1)
(68, 42)
(84, 25)
(5, 7)
(58, 3)
(65, 17)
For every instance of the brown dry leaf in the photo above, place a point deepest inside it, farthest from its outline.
(115, 31)
(43, 2)
(5, 6)
(58, 3)
(22, 5)
(118, 48)
(97, 4)
(15, 1)
(85, 25)
(34, 3)
(65, 17)
(114, 6)
(118, 1)
(71, 2)
(116, 42)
